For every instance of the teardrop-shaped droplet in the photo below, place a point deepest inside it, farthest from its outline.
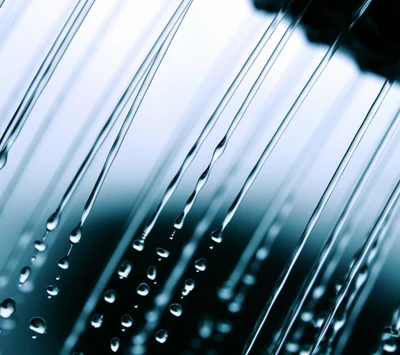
(63, 263)
(24, 274)
(53, 221)
(200, 264)
(143, 289)
(188, 287)
(175, 309)
(52, 290)
(126, 321)
(216, 235)
(162, 253)
(110, 296)
(161, 336)
(7, 308)
(3, 158)
(40, 246)
(124, 269)
(76, 235)
(114, 344)
(96, 321)
(38, 325)
(152, 273)
(138, 245)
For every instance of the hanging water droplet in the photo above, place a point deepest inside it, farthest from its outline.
(175, 309)
(110, 296)
(124, 269)
(96, 321)
(152, 273)
(40, 246)
(200, 264)
(143, 289)
(7, 308)
(53, 221)
(138, 245)
(63, 263)
(38, 325)
(188, 287)
(216, 236)
(126, 321)
(114, 344)
(162, 253)
(24, 274)
(161, 336)
(52, 290)
(76, 235)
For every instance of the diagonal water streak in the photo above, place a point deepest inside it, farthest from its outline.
(220, 148)
(385, 217)
(336, 232)
(284, 196)
(33, 222)
(43, 76)
(211, 122)
(280, 283)
(54, 219)
(45, 125)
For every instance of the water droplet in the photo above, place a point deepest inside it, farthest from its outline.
(3, 158)
(138, 245)
(390, 345)
(175, 309)
(53, 221)
(224, 327)
(96, 321)
(234, 307)
(225, 293)
(40, 246)
(76, 235)
(292, 348)
(200, 264)
(135, 305)
(63, 263)
(211, 246)
(7, 308)
(161, 336)
(52, 290)
(306, 316)
(124, 269)
(162, 253)
(318, 292)
(114, 344)
(126, 321)
(216, 236)
(34, 336)
(24, 275)
(58, 277)
(206, 327)
(38, 325)
(249, 280)
(188, 287)
(33, 258)
(110, 296)
(152, 273)
(262, 254)
(143, 289)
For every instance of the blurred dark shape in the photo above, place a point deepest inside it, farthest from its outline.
(374, 41)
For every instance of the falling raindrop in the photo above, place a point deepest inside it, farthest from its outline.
(124, 269)
(52, 290)
(40, 246)
(200, 264)
(63, 263)
(38, 325)
(126, 321)
(7, 308)
(162, 253)
(96, 321)
(24, 274)
(161, 336)
(188, 287)
(152, 273)
(76, 235)
(143, 289)
(114, 344)
(175, 309)
(110, 296)
(53, 221)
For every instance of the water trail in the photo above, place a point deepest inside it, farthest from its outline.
(211, 122)
(58, 102)
(337, 231)
(31, 225)
(43, 76)
(147, 195)
(282, 201)
(280, 283)
(220, 148)
(385, 217)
